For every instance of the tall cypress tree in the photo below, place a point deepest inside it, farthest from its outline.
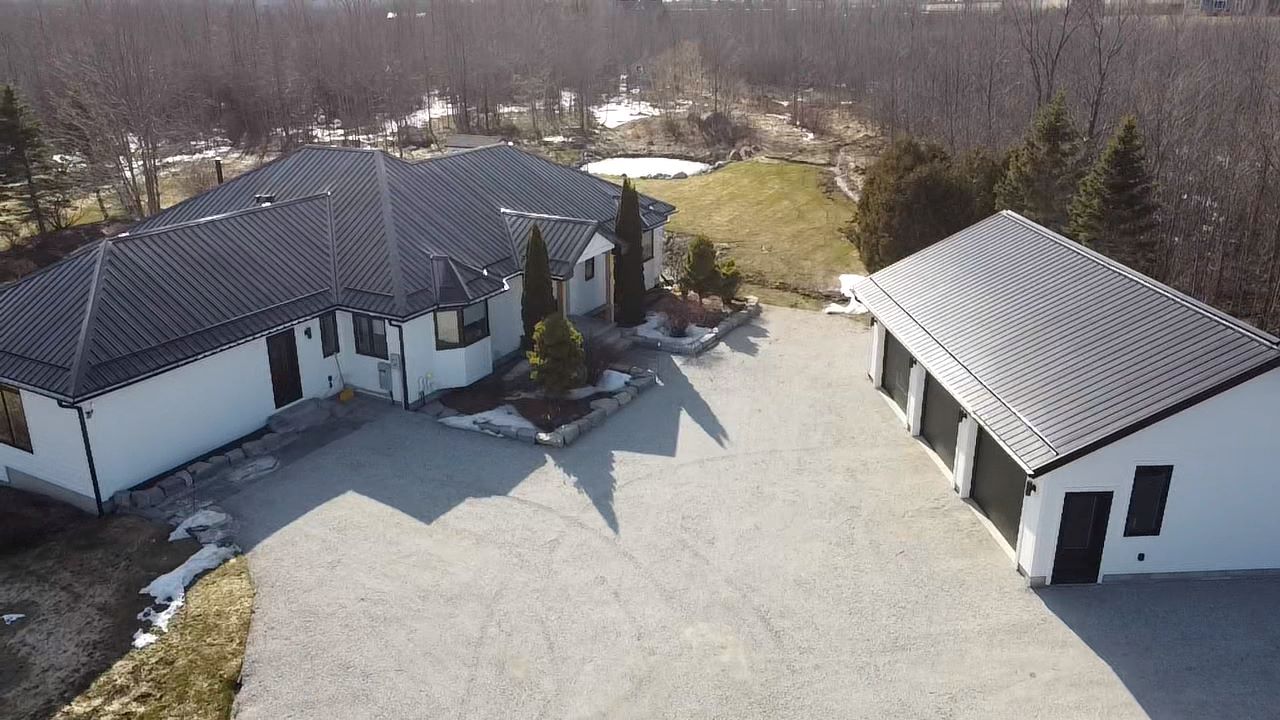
(1044, 170)
(537, 299)
(1114, 211)
(27, 176)
(629, 269)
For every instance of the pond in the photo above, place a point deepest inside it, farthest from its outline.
(645, 167)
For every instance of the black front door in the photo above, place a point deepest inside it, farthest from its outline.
(896, 378)
(941, 423)
(282, 355)
(1081, 537)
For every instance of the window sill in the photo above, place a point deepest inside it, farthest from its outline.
(443, 348)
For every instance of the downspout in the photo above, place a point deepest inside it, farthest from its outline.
(88, 454)
(404, 365)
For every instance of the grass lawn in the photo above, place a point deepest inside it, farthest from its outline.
(192, 670)
(782, 226)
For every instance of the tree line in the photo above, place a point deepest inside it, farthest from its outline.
(113, 81)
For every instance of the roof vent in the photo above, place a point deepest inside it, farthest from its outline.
(264, 199)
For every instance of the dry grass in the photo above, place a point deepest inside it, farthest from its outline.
(191, 672)
(779, 221)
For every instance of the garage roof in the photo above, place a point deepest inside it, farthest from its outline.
(1053, 348)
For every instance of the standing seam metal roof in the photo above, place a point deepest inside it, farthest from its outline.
(1051, 346)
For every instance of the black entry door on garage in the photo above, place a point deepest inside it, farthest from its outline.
(896, 378)
(998, 486)
(941, 422)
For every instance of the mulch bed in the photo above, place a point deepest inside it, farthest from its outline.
(545, 413)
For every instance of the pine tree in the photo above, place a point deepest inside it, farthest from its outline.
(1044, 170)
(537, 299)
(629, 269)
(1114, 211)
(28, 177)
(557, 359)
(699, 272)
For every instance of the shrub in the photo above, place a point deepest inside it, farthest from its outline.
(718, 129)
(556, 361)
(730, 280)
(703, 274)
(598, 355)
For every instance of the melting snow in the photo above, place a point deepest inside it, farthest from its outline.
(505, 415)
(170, 589)
(846, 288)
(643, 167)
(11, 618)
(555, 139)
(611, 381)
(198, 519)
(620, 111)
(655, 327)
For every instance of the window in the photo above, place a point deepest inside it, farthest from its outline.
(647, 243)
(13, 421)
(371, 335)
(1146, 504)
(329, 334)
(460, 328)
(590, 272)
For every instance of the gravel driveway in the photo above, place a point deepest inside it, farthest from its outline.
(755, 539)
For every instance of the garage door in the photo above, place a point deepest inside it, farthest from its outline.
(998, 485)
(941, 421)
(897, 370)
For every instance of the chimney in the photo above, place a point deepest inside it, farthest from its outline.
(217, 169)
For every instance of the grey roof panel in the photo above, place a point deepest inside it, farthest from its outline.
(1053, 347)
(566, 238)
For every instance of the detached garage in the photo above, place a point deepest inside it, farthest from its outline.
(1107, 426)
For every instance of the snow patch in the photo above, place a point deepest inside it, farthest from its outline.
(170, 589)
(199, 519)
(643, 167)
(504, 415)
(847, 283)
(555, 139)
(11, 618)
(619, 111)
(655, 327)
(611, 381)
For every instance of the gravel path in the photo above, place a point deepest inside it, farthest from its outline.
(755, 539)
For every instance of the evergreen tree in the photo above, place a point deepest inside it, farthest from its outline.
(1114, 211)
(537, 299)
(699, 272)
(28, 178)
(912, 198)
(557, 359)
(629, 269)
(1044, 170)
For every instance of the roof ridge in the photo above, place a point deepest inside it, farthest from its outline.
(126, 235)
(390, 235)
(546, 216)
(1119, 268)
(87, 248)
(235, 179)
(86, 325)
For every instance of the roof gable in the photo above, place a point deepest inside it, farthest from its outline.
(1054, 347)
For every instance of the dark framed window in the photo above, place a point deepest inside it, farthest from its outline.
(646, 242)
(590, 272)
(1146, 504)
(371, 335)
(462, 327)
(329, 334)
(13, 419)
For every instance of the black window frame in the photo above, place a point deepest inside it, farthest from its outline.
(330, 345)
(647, 242)
(1150, 482)
(18, 435)
(589, 273)
(480, 329)
(368, 342)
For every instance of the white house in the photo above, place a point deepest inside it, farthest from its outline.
(1106, 425)
(326, 268)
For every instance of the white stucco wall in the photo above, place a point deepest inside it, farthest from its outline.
(505, 324)
(57, 456)
(587, 295)
(653, 268)
(361, 371)
(1222, 498)
(438, 369)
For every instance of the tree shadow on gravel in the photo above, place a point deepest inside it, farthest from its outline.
(1184, 649)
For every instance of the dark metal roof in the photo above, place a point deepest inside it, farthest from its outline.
(566, 238)
(1054, 348)
(348, 228)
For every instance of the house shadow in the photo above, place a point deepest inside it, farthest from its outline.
(746, 338)
(1183, 649)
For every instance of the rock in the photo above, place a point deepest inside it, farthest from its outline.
(122, 500)
(551, 439)
(526, 435)
(236, 455)
(200, 470)
(636, 372)
(595, 418)
(608, 405)
(623, 396)
(272, 440)
(149, 497)
(643, 382)
(570, 432)
(218, 460)
(300, 416)
(255, 448)
(509, 432)
(680, 176)
(254, 468)
(434, 408)
(175, 483)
